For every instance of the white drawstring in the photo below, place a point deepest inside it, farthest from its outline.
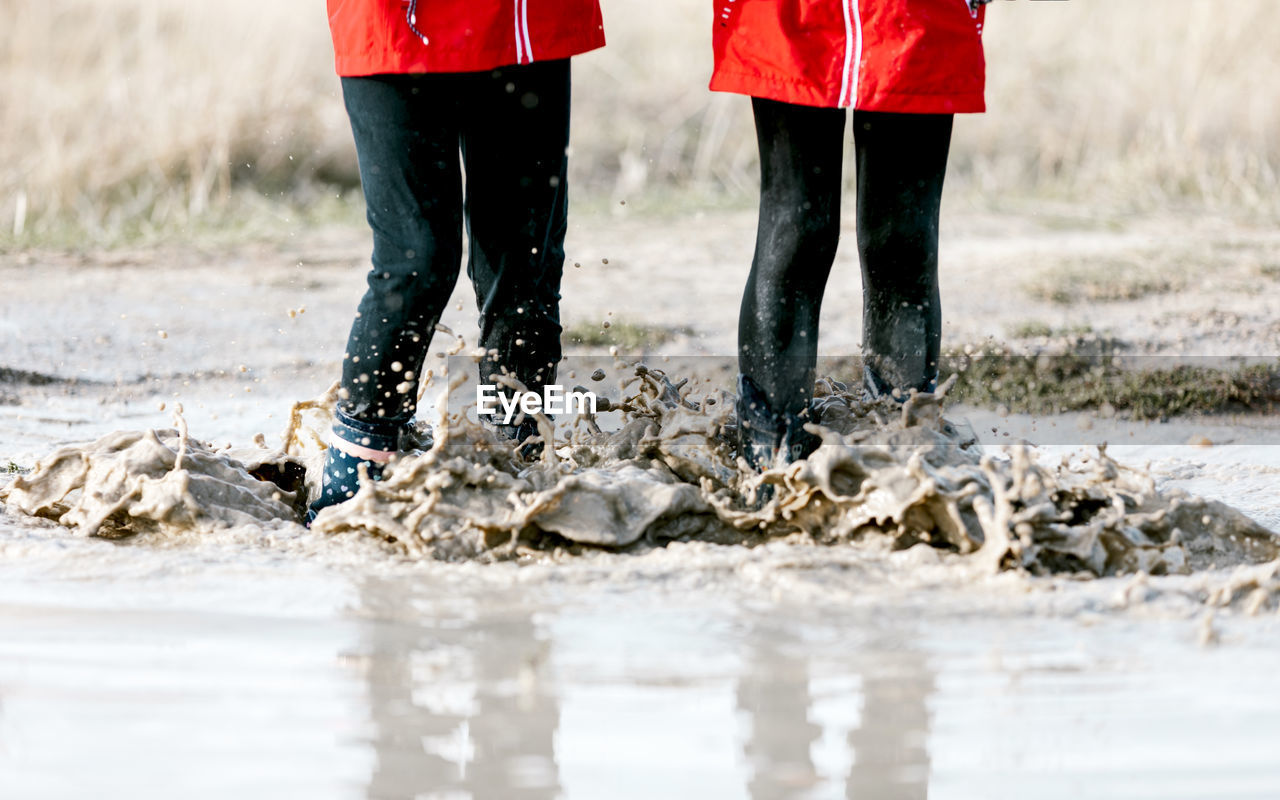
(411, 17)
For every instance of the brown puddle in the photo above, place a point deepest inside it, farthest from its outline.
(887, 475)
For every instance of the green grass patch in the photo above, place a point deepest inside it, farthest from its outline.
(1035, 329)
(623, 334)
(1094, 376)
(246, 215)
(1104, 280)
(1269, 269)
(1057, 383)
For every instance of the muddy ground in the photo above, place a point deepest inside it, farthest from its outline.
(758, 672)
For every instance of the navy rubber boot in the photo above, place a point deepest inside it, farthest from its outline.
(341, 476)
(341, 480)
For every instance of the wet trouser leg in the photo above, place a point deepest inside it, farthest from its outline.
(512, 125)
(515, 135)
(406, 134)
(902, 159)
(799, 227)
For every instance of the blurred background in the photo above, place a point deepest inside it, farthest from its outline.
(136, 119)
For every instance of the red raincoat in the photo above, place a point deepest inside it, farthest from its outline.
(372, 37)
(906, 56)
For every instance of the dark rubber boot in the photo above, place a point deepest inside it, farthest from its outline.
(767, 439)
(519, 433)
(341, 476)
(876, 387)
(528, 350)
(341, 479)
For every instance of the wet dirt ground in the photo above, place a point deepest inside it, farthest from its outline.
(263, 663)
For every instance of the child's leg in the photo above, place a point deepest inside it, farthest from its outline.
(515, 132)
(800, 155)
(902, 159)
(800, 160)
(407, 143)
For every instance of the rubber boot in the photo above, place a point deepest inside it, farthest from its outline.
(520, 434)
(767, 439)
(876, 387)
(340, 478)
(528, 350)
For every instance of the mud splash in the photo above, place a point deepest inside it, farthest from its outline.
(132, 482)
(886, 475)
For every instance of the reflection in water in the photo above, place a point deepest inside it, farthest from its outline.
(890, 747)
(461, 705)
(794, 703)
(774, 693)
(458, 703)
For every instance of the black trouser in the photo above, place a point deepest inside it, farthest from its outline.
(512, 125)
(901, 161)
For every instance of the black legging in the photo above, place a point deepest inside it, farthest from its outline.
(901, 161)
(512, 126)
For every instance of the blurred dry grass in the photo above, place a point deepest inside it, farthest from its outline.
(132, 115)
(125, 117)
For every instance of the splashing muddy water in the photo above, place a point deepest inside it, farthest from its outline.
(886, 476)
